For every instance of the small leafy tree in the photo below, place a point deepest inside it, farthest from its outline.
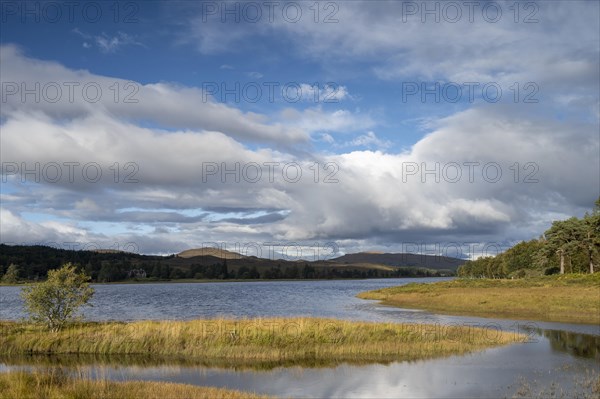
(12, 274)
(56, 301)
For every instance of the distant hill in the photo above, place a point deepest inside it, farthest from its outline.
(402, 260)
(214, 252)
(370, 259)
(34, 262)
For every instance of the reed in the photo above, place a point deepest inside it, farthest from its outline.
(254, 341)
(55, 384)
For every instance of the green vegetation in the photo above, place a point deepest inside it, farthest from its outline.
(564, 298)
(575, 344)
(12, 275)
(32, 263)
(568, 246)
(253, 341)
(55, 302)
(55, 384)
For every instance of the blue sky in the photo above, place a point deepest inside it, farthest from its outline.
(370, 127)
(148, 45)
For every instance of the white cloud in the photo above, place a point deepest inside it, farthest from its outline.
(371, 201)
(163, 104)
(328, 93)
(559, 52)
(255, 75)
(327, 138)
(172, 130)
(16, 230)
(369, 140)
(316, 119)
(106, 43)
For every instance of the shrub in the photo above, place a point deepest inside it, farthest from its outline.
(56, 301)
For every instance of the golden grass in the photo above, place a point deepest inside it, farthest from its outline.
(254, 341)
(566, 298)
(54, 384)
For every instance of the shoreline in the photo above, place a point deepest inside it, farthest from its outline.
(562, 299)
(204, 281)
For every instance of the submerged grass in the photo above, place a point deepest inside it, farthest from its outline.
(54, 384)
(254, 341)
(585, 385)
(566, 298)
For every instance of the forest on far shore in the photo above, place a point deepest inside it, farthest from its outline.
(32, 263)
(568, 246)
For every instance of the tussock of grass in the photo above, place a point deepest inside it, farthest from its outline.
(567, 298)
(252, 341)
(56, 385)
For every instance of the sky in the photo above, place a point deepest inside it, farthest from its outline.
(308, 129)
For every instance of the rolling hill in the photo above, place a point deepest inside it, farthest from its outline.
(401, 259)
(214, 263)
(208, 251)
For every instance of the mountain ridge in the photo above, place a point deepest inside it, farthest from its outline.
(402, 259)
(215, 263)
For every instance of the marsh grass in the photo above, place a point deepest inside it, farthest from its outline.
(567, 298)
(254, 341)
(57, 384)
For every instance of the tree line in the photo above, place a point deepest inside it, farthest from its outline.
(32, 263)
(568, 246)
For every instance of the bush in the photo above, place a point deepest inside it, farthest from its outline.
(12, 275)
(56, 301)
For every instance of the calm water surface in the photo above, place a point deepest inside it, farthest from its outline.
(556, 352)
(128, 302)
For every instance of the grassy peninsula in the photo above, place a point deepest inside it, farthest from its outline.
(569, 298)
(251, 342)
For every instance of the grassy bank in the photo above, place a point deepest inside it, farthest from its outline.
(573, 298)
(56, 385)
(254, 341)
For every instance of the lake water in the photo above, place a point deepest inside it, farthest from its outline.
(556, 352)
